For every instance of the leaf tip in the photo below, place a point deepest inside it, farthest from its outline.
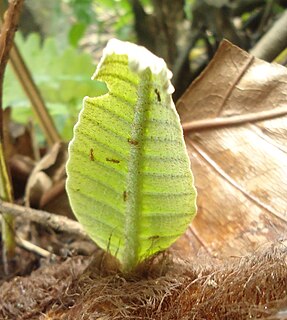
(139, 59)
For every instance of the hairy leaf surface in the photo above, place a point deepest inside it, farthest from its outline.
(129, 179)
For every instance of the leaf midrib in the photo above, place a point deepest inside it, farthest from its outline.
(134, 177)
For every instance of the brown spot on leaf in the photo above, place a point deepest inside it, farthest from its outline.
(134, 142)
(112, 160)
(92, 158)
(157, 95)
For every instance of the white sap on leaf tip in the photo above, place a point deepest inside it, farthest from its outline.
(139, 59)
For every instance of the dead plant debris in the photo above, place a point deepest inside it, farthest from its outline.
(250, 287)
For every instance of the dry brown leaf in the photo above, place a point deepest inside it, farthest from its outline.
(235, 123)
(17, 137)
(46, 185)
(19, 151)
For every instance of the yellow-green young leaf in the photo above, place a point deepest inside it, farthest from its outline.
(129, 178)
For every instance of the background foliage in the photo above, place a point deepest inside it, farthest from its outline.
(62, 75)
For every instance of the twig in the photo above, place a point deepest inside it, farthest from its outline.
(25, 78)
(265, 16)
(50, 220)
(33, 248)
(183, 57)
(207, 124)
(241, 6)
(273, 42)
(8, 29)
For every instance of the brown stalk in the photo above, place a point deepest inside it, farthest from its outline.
(273, 42)
(208, 124)
(46, 219)
(8, 30)
(25, 78)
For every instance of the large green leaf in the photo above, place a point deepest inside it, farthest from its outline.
(129, 178)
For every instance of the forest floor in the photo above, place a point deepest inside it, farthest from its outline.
(165, 287)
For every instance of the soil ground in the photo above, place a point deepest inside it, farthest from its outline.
(92, 287)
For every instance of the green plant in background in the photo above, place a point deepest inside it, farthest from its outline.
(63, 81)
(84, 14)
(104, 14)
(129, 178)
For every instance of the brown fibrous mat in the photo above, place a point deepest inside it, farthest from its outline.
(249, 287)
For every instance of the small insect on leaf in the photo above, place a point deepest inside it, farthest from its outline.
(157, 95)
(92, 158)
(125, 195)
(112, 160)
(134, 142)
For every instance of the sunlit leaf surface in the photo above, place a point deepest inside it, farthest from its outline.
(129, 178)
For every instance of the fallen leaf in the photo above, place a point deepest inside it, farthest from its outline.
(19, 152)
(46, 185)
(235, 124)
